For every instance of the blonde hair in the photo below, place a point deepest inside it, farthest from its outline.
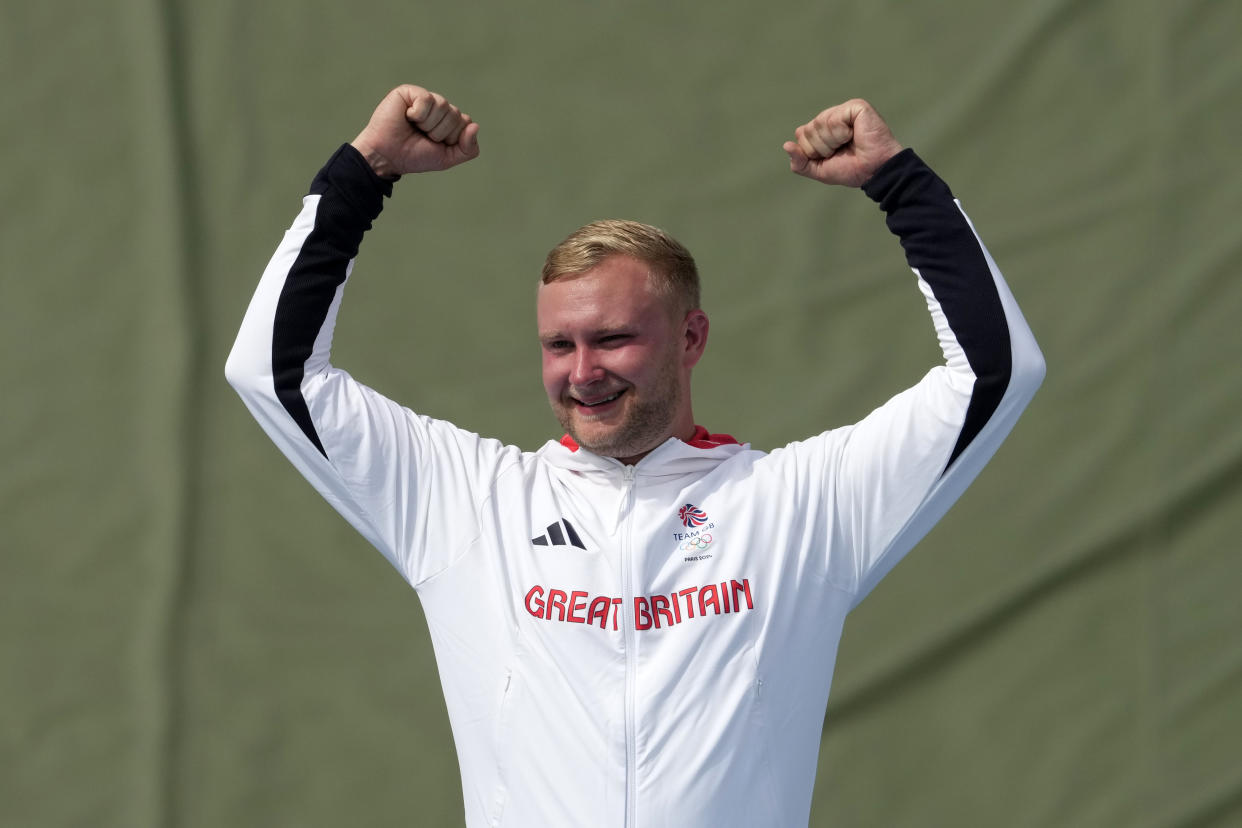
(674, 273)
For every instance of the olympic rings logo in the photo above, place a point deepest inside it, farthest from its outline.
(696, 544)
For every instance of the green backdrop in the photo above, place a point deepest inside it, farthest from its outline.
(189, 637)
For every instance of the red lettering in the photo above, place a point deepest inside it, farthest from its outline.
(599, 609)
(650, 611)
(688, 594)
(537, 609)
(556, 601)
(659, 607)
(577, 601)
(642, 618)
(707, 596)
(742, 586)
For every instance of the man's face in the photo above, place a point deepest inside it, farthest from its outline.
(616, 361)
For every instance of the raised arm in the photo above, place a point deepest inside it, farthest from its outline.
(897, 471)
(374, 461)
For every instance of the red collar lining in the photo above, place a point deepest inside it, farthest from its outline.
(700, 439)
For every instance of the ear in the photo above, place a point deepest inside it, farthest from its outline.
(694, 331)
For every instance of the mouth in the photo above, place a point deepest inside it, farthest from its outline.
(597, 403)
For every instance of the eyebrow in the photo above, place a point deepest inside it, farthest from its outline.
(597, 333)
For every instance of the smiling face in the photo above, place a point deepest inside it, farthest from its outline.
(617, 359)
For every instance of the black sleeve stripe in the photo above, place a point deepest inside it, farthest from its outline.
(351, 197)
(940, 244)
(991, 360)
(304, 302)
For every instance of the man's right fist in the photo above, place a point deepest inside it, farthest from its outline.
(413, 130)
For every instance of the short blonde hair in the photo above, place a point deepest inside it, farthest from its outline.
(674, 273)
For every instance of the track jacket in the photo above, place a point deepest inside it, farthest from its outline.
(647, 645)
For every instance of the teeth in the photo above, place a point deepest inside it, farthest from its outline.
(601, 402)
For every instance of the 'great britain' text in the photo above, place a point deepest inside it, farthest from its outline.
(649, 611)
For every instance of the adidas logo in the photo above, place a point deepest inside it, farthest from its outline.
(557, 536)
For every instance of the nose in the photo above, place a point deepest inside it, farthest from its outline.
(586, 368)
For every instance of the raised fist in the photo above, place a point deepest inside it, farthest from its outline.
(414, 130)
(844, 144)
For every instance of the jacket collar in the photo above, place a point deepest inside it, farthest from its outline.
(703, 452)
(700, 439)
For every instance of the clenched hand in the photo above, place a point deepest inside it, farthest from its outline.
(415, 130)
(845, 144)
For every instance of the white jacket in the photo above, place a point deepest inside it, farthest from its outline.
(648, 645)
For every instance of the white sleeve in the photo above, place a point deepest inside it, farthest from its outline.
(410, 484)
(894, 474)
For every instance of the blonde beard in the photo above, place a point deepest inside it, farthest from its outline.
(646, 425)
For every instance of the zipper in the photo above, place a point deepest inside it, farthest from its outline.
(631, 691)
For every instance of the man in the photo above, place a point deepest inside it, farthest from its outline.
(635, 625)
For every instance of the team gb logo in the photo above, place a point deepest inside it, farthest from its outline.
(694, 542)
(691, 515)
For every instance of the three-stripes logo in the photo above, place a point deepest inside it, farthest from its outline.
(558, 536)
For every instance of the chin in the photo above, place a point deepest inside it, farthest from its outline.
(631, 432)
(595, 440)
(617, 446)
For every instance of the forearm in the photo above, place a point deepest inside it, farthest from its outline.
(287, 331)
(987, 343)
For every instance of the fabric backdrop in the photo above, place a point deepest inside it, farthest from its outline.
(189, 637)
